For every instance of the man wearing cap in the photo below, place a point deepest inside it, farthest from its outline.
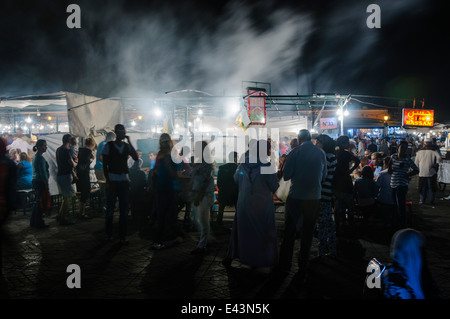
(428, 161)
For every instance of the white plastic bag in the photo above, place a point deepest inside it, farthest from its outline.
(283, 191)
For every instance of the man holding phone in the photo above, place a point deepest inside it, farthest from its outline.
(115, 168)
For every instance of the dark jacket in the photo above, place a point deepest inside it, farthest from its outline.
(228, 189)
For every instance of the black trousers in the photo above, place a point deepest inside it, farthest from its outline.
(308, 210)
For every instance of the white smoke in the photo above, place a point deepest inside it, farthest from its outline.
(151, 54)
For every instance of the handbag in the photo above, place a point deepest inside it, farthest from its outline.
(45, 200)
(283, 191)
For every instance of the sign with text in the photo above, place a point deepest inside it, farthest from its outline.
(418, 117)
(328, 123)
(256, 107)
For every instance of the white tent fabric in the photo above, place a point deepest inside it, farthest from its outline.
(87, 114)
(53, 142)
(20, 102)
(288, 124)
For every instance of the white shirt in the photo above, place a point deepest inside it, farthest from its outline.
(425, 160)
(20, 144)
(361, 149)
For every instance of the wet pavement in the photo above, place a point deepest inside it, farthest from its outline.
(35, 261)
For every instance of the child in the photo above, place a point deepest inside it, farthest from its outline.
(74, 156)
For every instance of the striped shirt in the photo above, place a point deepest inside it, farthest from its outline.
(327, 191)
(399, 168)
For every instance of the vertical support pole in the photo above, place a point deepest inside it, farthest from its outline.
(342, 116)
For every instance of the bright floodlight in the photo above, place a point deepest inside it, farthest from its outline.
(200, 112)
(28, 119)
(346, 113)
(234, 107)
(158, 112)
(133, 123)
(339, 112)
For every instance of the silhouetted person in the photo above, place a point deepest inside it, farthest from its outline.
(228, 189)
(343, 184)
(8, 171)
(202, 193)
(166, 185)
(40, 183)
(115, 167)
(428, 160)
(400, 169)
(85, 158)
(111, 136)
(408, 277)
(253, 238)
(65, 179)
(325, 224)
(306, 162)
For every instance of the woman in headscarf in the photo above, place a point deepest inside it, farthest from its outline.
(408, 276)
(254, 236)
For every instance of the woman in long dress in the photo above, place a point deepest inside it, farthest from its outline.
(254, 236)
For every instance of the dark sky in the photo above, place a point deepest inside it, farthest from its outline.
(137, 48)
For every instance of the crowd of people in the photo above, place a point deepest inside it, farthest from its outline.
(330, 181)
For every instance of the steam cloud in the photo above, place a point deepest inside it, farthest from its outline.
(132, 53)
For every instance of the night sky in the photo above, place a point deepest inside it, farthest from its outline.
(143, 49)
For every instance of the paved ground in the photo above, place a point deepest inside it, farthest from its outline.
(35, 262)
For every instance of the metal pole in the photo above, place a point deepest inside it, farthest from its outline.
(186, 121)
(342, 116)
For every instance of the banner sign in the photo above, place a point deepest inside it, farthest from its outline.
(418, 117)
(256, 107)
(328, 123)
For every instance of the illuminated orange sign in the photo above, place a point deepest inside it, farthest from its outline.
(418, 117)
